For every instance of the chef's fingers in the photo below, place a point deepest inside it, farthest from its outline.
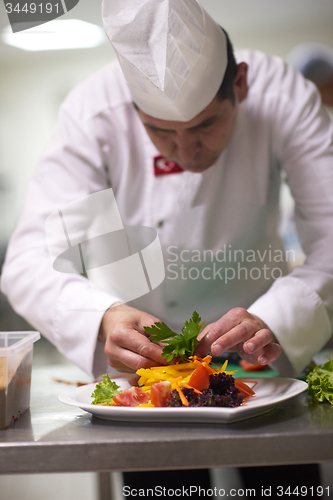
(206, 339)
(205, 331)
(215, 330)
(137, 342)
(231, 319)
(270, 353)
(129, 361)
(237, 335)
(263, 347)
(225, 334)
(127, 346)
(263, 356)
(259, 340)
(134, 380)
(118, 365)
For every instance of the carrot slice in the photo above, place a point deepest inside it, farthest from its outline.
(207, 359)
(206, 365)
(244, 388)
(181, 395)
(187, 386)
(210, 370)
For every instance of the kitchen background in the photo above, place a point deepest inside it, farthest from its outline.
(33, 85)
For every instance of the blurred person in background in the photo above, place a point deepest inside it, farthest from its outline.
(315, 62)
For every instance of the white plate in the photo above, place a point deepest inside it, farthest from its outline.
(269, 392)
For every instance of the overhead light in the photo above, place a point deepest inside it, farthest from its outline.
(56, 35)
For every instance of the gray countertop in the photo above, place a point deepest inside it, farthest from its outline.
(53, 437)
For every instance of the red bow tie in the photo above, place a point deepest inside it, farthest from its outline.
(162, 166)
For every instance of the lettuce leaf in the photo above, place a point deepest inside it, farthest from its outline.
(105, 391)
(320, 383)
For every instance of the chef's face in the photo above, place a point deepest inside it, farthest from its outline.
(196, 145)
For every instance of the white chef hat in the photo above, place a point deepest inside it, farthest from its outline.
(172, 53)
(314, 61)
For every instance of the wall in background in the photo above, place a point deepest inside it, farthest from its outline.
(30, 96)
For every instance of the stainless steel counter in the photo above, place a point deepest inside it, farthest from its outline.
(53, 437)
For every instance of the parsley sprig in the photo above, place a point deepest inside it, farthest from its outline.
(177, 345)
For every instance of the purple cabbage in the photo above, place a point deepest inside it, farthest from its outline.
(221, 392)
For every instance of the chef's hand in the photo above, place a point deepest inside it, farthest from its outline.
(240, 331)
(127, 346)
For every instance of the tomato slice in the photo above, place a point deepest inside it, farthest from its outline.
(132, 397)
(160, 393)
(199, 378)
(249, 367)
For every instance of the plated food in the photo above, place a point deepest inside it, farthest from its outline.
(269, 392)
(190, 381)
(192, 389)
(195, 383)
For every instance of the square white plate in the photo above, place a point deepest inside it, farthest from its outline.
(268, 393)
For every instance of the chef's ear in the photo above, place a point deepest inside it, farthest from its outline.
(241, 87)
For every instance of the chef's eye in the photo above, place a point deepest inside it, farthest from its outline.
(205, 125)
(160, 131)
(164, 132)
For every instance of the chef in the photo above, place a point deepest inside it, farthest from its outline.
(192, 140)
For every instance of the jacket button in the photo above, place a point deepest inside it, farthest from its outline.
(160, 223)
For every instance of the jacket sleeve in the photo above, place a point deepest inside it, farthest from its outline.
(298, 308)
(60, 305)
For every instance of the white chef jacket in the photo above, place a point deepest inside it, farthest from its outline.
(100, 143)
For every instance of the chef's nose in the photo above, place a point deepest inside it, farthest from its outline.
(188, 146)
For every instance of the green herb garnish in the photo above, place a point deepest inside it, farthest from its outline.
(105, 391)
(320, 382)
(177, 345)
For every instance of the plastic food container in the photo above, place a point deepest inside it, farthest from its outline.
(15, 374)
